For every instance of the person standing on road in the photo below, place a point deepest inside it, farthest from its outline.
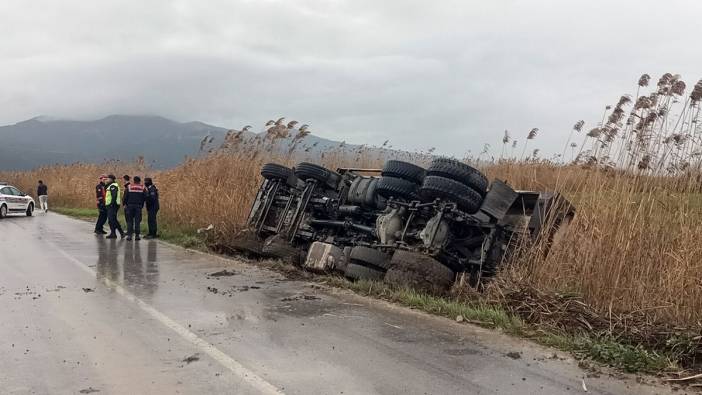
(43, 194)
(125, 188)
(102, 209)
(134, 199)
(152, 207)
(113, 198)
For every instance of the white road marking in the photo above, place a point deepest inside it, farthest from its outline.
(225, 360)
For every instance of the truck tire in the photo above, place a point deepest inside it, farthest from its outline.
(397, 187)
(358, 272)
(404, 170)
(309, 171)
(370, 257)
(459, 171)
(419, 271)
(274, 171)
(466, 198)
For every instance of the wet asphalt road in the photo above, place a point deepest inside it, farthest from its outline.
(81, 314)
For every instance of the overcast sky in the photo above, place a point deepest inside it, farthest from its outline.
(449, 74)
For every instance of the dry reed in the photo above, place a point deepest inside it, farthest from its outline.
(633, 246)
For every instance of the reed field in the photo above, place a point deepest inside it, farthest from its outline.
(634, 177)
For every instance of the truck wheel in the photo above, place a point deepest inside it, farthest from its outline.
(419, 271)
(405, 170)
(274, 171)
(465, 197)
(397, 187)
(309, 171)
(30, 210)
(3, 211)
(370, 257)
(358, 272)
(459, 171)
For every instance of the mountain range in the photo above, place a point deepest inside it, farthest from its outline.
(42, 141)
(162, 142)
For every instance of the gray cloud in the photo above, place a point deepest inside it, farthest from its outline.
(450, 74)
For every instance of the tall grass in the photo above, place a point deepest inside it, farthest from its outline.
(633, 246)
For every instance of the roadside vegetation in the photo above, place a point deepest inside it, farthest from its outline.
(624, 284)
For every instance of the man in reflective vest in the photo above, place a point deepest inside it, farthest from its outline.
(134, 198)
(113, 197)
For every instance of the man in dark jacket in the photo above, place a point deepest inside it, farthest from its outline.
(125, 188)
(113, 198)
(102, 209)
(152, 206)
(43, 195)
(134, 198)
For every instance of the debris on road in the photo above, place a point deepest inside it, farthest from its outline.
(233, 290)
(192, 358)
(89, 390)
(300, 297)
(86, 290)
(223, 273)
(514, 355)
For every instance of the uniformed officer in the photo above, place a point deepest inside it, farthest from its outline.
(102, 209)
(125, 187)
(134, 199)
(152, 206)
(113, 198)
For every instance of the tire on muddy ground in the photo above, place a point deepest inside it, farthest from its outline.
(355, 271)
(277, 248)
(404, 170)
(370, 257)
(466, 198)
(418, 271)
(310, 171)
(274, 171)
(397, 187)
(459, 171)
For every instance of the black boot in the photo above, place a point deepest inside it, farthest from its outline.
(111, 236)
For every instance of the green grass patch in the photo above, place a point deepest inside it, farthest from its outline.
(602, 349)
(82, 213)
(477, 313)
(172, 234)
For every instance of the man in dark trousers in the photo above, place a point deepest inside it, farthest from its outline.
(113, 198)
(125, 187)
(102, 209)
(134, 198)
(152, 207)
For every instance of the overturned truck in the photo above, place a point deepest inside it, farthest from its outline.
(407, 225)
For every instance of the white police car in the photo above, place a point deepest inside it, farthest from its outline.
(14, 201)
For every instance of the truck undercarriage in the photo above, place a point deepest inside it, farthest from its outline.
(403, 224)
